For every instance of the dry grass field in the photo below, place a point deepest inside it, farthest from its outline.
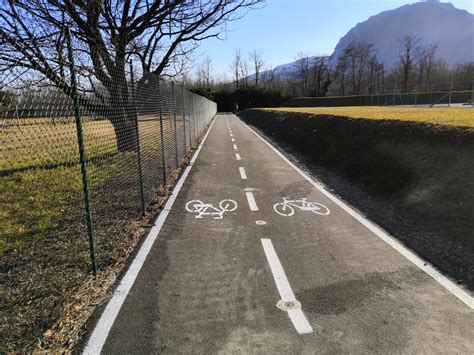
(444, 116)
(40, 175)
(45, 264)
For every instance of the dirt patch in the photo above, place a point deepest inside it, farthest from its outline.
(415, 180)
(48, 291)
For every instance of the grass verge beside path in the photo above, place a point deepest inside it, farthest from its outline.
(443, 115)
(48, 291)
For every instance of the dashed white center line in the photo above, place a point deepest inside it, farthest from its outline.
(243, 174)
(296, 315)
(251, 200)
(237, 156)
(235, 147)
(232, 139)
(231, 135)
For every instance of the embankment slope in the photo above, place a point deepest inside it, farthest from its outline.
(417, 179)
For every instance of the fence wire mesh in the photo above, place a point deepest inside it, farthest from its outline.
(135, 135)
(88, 143)
(457, 94)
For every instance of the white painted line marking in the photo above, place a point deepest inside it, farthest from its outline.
(243, 174)
(232, 139)
(300, 322)
(251, 200)
(297, 316)
(237, 156)
(101, 331)
(207, 209)
(231, 135)
(235, 147)
(457, 291)
(283, 286)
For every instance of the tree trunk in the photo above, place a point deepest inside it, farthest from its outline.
(125, 135)
(123, 116)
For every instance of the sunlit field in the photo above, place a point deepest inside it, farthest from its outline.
(40, 175)
(444, 116)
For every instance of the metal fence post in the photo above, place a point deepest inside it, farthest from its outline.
(196, 123)
(162, 136)
(82, 156)
(450, 94)
(193, 119)
(416, 95)
(431, 96)
(137, 137)
(175, 126)
(190, 120)
(472, 94)
(184, 121)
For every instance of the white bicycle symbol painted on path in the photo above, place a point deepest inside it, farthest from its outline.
(207, 209)
(287, 207)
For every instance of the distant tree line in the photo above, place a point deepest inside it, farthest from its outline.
(359, 71)
(261, 89)
(356, 71)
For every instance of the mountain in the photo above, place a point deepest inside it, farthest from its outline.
(434, 22)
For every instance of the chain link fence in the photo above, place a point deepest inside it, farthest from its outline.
(458, 94)
(87, 161)
(86, 150)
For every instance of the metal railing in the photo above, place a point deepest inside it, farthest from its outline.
(81, 159)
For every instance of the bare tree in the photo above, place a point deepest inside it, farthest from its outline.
(320, 75)
(302, 65)
(429, 62)
(256, 60)
(204, 72)
(269, 78)
(366, 53)
(340, 74)
(236, 66)
(381, 78)
(354, 65)
(350, 54)
(105, 35)
(407, 59)
(244, 73)
(373, 73)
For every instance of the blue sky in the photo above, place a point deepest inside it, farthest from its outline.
(283, 28)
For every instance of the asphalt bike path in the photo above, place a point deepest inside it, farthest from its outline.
(252, 258)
